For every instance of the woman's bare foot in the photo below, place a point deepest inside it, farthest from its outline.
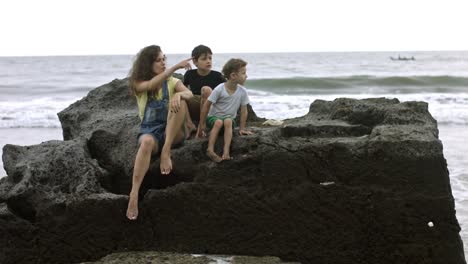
(166, 163)
(213, 156)
(132, 210)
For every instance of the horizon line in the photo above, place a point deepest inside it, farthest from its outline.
(249, 52)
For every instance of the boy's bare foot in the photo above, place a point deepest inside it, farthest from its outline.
(132, 210)
(213, 156)
(166, 163)
(190, 130)
(226, 156)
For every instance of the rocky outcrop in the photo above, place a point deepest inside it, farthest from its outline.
(353, 181)
(145, 257)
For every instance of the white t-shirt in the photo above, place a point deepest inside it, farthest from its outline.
(225, 105)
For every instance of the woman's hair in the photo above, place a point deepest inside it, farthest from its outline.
(232, 66)
(142, 68)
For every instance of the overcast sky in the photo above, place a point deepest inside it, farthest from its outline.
(89, 27)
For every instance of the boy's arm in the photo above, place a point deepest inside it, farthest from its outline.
(243, 121)
(202, 123)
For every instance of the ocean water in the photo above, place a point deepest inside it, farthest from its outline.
(281, 85)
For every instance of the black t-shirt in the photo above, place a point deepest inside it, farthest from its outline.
(195, 82)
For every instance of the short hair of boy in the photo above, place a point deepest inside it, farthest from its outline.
(200, 50)
(232, 66)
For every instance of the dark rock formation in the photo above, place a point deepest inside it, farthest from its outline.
(353, 181)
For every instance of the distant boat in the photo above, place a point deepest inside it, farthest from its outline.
(402, 58)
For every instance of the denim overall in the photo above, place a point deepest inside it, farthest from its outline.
(155, 117)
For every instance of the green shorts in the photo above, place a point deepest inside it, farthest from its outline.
(212, 119)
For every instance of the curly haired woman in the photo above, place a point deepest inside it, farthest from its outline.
(162, 109)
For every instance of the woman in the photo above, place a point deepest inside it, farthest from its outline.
(162, 110)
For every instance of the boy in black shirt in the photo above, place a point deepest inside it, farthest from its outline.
(201, 82)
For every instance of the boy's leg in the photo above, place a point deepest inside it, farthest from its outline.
(174, 134)
(193, 106)
(227, 138)
(142, 161)
(205, 93)
(218, 124)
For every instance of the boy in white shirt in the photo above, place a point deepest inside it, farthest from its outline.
(223, 104)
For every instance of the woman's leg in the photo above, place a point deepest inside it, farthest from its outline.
(227, 138)
(174, 135)
(142, 161)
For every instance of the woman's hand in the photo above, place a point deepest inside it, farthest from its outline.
(185, 64)
(175, 103)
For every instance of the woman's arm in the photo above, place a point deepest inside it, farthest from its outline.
(181, 93)
(155, 83)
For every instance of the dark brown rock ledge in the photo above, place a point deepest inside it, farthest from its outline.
(353, 181)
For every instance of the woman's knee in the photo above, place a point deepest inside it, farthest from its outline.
(147, 143)
(183, 106)
(179, 114)
(206, 91)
